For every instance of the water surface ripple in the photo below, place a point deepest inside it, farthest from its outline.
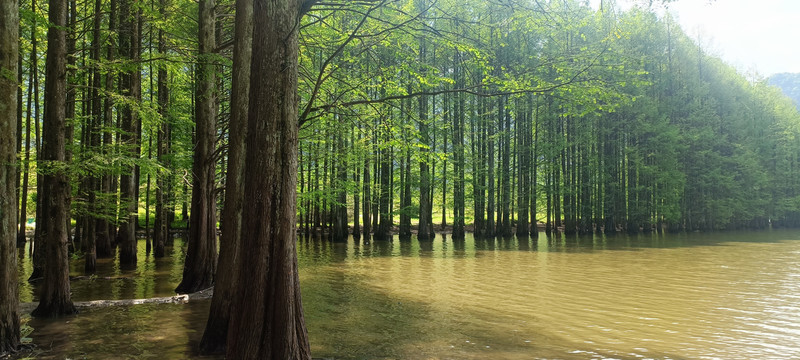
(695, 296)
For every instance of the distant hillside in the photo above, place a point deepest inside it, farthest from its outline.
(789, 83)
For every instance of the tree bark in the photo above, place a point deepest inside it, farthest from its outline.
(38, 243)
(267, 320)
(103, 227)
(55, 295)
(161, 226)
(216, 331)
(23, 210)
(382, 233)
(90, 255)
(339, 210)
(9, 52)
(130, 83)
(425, 227)
(201, 253)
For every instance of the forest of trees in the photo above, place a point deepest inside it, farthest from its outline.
(364, 118)
(789, 83)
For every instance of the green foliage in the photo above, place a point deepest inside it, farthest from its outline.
(622, 118)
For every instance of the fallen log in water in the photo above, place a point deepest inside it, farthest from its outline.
(26, 308)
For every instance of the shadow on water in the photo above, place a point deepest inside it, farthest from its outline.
(351, 317)
(504, 298)
(122, 332)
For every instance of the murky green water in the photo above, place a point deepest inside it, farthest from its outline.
(695, 296)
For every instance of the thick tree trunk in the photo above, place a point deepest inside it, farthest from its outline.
(55, 295)
(9, 51)
(130, 82)
(267, 320)
(216, 331)
(201, 253)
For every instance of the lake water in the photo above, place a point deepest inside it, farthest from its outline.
(698, 296)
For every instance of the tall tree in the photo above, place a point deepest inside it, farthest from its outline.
(90, 247)
(55, 298)
(33, 71)
(9, 51)
(216, 331)
(161, 225)
(267, 320)
(130, 85)
(105, 228)
(201, 253)
(38, 239)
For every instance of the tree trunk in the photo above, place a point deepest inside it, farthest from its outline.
(405, 198)
(201, 253)
(130, 82)
(161, 225)
(54, 299)
(9, 51)
(216, 331)
(366, 218)
(458, 150)
(382, 233)
(23, 212)
(267, 320)
(523, 150)
(90, 255)
(103, 226)
(425, 227)
(357, 189)
(490, 228)
(18, 147)
(505, 119)
(340, 207)
(38, 243)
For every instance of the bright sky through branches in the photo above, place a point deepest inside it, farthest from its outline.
(751, 35)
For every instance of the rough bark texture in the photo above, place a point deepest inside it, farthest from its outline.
(55, 298)
(161, 226)
(216, 332)
(9, 51)
(267, 316)
(201, 253)
(130, 85)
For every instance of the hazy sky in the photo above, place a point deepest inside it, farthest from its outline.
(761, 35)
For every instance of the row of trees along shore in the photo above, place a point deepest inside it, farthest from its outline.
(347, 118)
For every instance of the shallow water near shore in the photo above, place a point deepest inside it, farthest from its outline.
(700, 296)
